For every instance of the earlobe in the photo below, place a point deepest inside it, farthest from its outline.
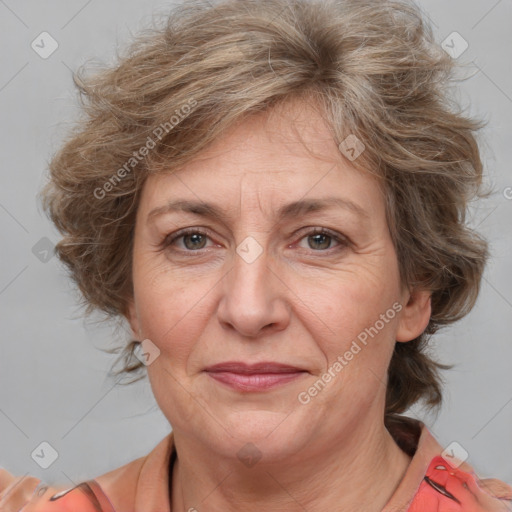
(415, 316)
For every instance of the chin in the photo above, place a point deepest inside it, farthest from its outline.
(274, 435)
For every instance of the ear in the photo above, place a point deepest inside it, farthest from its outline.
(133, 319)
(415, 316)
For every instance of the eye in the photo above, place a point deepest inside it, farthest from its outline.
(193, 239)
(320, 239)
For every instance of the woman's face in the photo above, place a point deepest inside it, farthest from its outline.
(257, 284)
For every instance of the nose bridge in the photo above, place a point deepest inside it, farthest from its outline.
(252, 299)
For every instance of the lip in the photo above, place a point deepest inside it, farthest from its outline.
(261, 367)
(254, 377)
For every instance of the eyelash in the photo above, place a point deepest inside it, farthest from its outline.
(173, 237)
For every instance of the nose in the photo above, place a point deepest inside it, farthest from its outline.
(255, 299)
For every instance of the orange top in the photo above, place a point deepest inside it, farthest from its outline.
(430, 484)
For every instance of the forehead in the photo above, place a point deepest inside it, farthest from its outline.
(266, 160)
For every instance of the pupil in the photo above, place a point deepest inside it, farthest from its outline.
(195, 237)
(316, 238)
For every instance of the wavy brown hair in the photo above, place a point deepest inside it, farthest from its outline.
(375, 70)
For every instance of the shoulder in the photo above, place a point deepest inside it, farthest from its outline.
(445, 486)
(15, 491)
(29, 494)
(436, 480)
(115, 490)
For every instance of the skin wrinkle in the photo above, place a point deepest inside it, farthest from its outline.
(290, 305)
(390, 92)
(336, 55)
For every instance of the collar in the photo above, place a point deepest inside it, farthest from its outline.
(143, 484)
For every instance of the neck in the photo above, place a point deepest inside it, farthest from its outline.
(358, 473)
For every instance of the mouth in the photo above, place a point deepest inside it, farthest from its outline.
(254, 377)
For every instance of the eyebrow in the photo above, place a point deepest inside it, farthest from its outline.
(290, 210)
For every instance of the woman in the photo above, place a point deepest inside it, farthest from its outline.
(272, 194)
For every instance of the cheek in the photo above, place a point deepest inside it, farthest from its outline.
(355, 307)
(169, 310)
(362, 321)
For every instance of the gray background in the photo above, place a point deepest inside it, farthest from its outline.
(53, 384)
